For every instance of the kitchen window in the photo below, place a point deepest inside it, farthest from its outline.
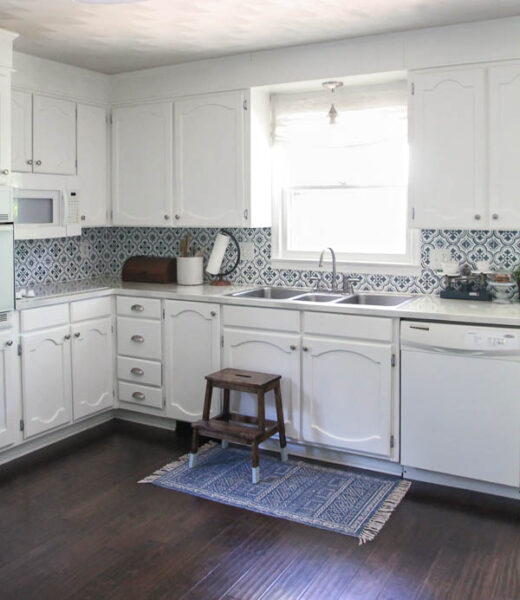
(344, 184)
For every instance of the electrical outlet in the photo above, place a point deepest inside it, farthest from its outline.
(85, 249)
(246, 250)
(437, 257)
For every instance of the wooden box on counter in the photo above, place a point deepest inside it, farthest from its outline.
(150, 269)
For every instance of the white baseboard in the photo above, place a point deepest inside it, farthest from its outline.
(144, 419)
(461, 483)
(52, 437)
(337, 457)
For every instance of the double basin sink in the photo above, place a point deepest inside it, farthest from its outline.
(300, 295)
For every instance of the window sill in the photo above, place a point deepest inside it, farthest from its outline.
(348, 267)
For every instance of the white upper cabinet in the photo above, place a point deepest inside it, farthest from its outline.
(209, 160)
(347, 394)
(46, 380)
(142, 164)
(21, 120)
(504, 146)
(222, 160)
(93, 164)
(92, 367)
(448, 149)
(43, 134)
(9, 389)
(192, 350)
(54, 136)
(5, 125)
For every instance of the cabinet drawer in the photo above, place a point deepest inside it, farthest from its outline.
(261, 318)
(140, 394)
(45, 317)
(350, 326)
(145, 308)
(139, 338)
(90, 309)
(139, 371)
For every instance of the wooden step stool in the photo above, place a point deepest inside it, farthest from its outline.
(234, 427)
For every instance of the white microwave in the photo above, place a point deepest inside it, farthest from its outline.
(45, 213)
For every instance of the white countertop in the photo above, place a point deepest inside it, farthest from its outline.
(424, 307)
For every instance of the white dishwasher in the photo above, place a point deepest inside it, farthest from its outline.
(460, 400)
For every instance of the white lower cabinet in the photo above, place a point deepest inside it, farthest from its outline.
(9, 390)
(269, 352)
(347, 394)
(92, 367)
(192, 350)
(46, 380)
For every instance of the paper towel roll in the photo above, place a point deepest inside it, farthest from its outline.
(217, 254)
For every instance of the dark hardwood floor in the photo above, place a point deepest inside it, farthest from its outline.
(74, 524)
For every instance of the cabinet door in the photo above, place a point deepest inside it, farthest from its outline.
(209, 160)
(269, 352)
(92, 165)
(504, 148)
(192, 350)
(54, 136)
(347, 394)
(142, 164)
(448, 149)
(21, 132)
(5, 125)
(92, 367)
(46, 380)
(9, 390)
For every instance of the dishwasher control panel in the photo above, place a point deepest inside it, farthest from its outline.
(481, 340)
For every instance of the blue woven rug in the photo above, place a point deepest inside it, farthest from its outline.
(338, 500)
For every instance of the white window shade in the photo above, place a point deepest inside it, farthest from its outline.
(343, 184)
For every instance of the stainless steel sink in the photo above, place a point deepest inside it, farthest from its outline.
(375, 300)
(270, 293)
(317, 297)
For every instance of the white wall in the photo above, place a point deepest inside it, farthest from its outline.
(56, 79)
(457, 44)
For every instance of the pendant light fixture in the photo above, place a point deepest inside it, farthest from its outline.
(332, 86)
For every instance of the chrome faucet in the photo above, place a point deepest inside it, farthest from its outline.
(334, 286)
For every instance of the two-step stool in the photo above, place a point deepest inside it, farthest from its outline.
(235, 427)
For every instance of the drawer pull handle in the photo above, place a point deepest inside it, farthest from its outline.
(138, 395)
(9, 343)
(137, 371)
(137, 307)
(77, 334)
(139, 339)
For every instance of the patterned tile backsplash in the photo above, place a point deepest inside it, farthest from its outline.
(102, 252)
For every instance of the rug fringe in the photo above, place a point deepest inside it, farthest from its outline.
(377, 522)
(170, 466)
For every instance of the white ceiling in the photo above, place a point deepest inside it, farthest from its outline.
(147, 33)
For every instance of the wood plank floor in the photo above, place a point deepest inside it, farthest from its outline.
(74, 524)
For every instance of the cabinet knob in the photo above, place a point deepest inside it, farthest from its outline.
(137, 371)
(137, 338)
(38, 163)
(5, 172)
(477, 217)
(77, 334)
(9, 343)
(494, 216)
(67, 337)
(29, 161)
(166, 217)
(138, 395)
(83, 217)
(246, 214)
(305, 348)
(292, 347)
(137, 307)
(213, 313)
(177, 217)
